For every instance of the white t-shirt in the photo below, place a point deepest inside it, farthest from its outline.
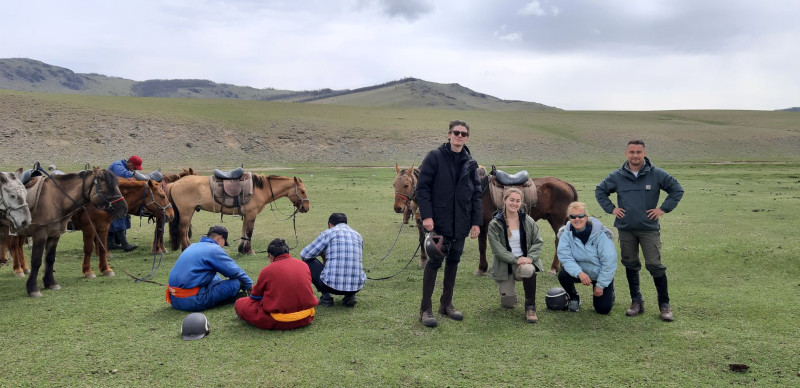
(516, 245)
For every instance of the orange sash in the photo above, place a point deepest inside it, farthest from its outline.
(180, 292)
(291, 317)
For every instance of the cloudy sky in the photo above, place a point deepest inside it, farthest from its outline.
(572, 54)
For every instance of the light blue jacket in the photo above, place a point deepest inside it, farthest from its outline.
(598, 258)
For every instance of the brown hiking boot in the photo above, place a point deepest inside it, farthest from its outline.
(451, 312)
(530, 314)
(637, 307)
(666, 313)
(427, 318)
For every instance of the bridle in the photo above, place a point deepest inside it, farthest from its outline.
(4, 205)
(144, 207)
(108, 204)
(297, 205)
(412, 195)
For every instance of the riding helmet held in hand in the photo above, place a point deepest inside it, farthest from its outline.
(435, 246)
(194, 326)
(556, 299)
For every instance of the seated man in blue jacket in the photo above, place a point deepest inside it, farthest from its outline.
(588, 256)
(194, 284)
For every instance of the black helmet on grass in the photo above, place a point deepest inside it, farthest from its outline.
(194, 326)
(556, 299)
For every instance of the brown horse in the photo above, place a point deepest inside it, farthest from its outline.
(554, 195)
(59, 197)
(405, 195)
(193, 192)
(141, 196)
(158, 219)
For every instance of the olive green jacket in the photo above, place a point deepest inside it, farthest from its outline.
(498, 241)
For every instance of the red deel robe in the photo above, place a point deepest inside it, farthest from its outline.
(284, 286)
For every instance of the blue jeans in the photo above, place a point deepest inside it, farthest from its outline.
(316, 267)
(211, 295)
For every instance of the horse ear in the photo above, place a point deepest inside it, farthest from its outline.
(191, 171)
(19, 172)
(410, 171)
(396, 168)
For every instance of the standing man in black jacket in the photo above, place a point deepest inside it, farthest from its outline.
(449, 198)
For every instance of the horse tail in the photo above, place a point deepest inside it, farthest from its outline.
(174, 226)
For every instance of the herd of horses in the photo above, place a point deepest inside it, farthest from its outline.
(41, 208)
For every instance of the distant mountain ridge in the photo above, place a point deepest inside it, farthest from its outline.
(35, 76)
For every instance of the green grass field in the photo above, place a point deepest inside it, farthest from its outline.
(728, 247)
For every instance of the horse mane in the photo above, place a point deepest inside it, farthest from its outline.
(260, 179)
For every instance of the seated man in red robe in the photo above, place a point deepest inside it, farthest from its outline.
(282, 298)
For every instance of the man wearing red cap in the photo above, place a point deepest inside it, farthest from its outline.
(117, 238)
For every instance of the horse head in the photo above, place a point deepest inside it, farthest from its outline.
(405, 186)
(13, 204)
(105, 194)
(158, 202)
(300, 197)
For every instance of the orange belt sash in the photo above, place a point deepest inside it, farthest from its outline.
(180, 292)
(291, 317)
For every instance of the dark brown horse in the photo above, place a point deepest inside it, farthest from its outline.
(405, 195)
(58, 198)
(158, 239)
(193, 192)
(554, 195)
(141, 196)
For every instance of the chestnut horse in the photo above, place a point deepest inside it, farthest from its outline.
(554, 195)
(158, 219)
(59, 197)
(405, 201)
(193, 192)
(141, 196)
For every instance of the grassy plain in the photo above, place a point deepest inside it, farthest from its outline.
(729, 249)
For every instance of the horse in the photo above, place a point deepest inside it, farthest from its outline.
(141, 196)
(14, 211)
(405, 201)
(554, 195)
(193, 192)
(158, 219)
(54, 201)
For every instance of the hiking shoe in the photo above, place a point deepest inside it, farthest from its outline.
(427, 318)
(451, 312)
(326, 300)
(574, 305)
(530, 314)
(666, 312)
(637, 307)
(349, 300)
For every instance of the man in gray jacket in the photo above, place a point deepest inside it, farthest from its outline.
(638, 184)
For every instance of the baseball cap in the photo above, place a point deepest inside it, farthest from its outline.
(136, 162)
(220, 230)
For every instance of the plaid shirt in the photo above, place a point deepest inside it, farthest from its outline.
(342, 246)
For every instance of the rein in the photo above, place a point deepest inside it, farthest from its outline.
(293, 216)
(387, 255)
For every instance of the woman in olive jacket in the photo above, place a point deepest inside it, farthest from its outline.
(516, 245)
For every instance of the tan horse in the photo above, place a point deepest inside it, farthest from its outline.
(59, 197)
(141, 196)
(405, 195)
(194, 193)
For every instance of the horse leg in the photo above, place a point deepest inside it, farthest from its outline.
(16, 245)
(483, 266)
(49, 278)
(556, 265)
(245, 246)
(88, 247)
(183, 230)
(423, 256)
(3, 246)
(32, 285)
(102, 251)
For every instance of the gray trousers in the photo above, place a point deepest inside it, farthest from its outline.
(650, 242)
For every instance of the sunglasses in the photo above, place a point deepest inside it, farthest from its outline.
(574, 216)
(459, 133)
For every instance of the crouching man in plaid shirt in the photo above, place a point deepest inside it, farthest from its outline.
(341, 273)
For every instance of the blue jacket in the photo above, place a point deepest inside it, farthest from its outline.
(637, 194)
(598, 258)
(198, 265)
(454, 204)
(120, 168)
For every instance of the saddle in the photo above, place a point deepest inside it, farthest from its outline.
(231, 188)
(154, 176)
(498, 181)
(34, 188)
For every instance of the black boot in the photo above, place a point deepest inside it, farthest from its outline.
(637, 303)
(529, 286)
(111, 242)
(665, 311)
(426, 306)
(446, 301)
(123, 240)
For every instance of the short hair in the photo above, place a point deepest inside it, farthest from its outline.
(277, 247)
(575, 205)
(337, 218)
(456, 123)
(637, 142)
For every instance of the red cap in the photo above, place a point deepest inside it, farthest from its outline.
(136, 162)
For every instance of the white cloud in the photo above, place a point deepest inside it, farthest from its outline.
(534, 8)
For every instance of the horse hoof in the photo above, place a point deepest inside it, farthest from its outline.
(109, 273)
(54, 287)
(89, 275)
(479, 272)
(35, 294)
(551, 272)
(19, 274)
(26, 272)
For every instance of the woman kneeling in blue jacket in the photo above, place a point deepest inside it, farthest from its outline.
(587, 254)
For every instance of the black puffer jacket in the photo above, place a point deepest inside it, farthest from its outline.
(454, 204)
